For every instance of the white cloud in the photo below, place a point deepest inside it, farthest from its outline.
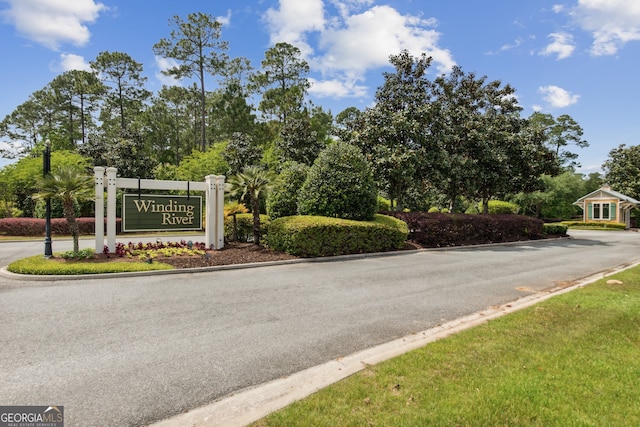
(336, 88)
(366, 40)
(612, 23)
(164, 64)
(225, 20)
(69, 61)
(347, 7)
(562, 46)
(293, 20)
(360, 38)
(558, 97)
(516, 43)
(53, 22)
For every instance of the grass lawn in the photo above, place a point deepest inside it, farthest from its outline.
(572, 360)
(38, 265)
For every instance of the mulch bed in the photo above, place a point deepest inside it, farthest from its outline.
(232, 253)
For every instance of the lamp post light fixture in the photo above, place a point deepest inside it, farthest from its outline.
(46, 170)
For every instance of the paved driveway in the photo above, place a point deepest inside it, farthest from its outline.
(134, 350)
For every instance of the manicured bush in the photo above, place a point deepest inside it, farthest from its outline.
(583, 224)
(311, 236)
(283, 199)
(59, 226)
(496, 207)
(441, 230)
(245, 226)
(340, 184)
(554, 229)
(383, 204)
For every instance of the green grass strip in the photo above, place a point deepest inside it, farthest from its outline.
(38, 265)
(573, 360)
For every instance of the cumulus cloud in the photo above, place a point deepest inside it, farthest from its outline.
(361, 37)
(558, 97)
(53, 22)
(70, 61)
(366, 40)
(293, 20)
(612, 23)
(562, 46)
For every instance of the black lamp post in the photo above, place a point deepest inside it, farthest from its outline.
(46, 169)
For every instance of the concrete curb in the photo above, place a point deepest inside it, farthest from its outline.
(60, 277)
(252, 404)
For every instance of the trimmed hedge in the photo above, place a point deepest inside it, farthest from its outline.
(583, 224)
(312, 236)
(59, 226)
(555, 229)
(442, 230)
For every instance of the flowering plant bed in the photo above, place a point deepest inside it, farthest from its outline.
(184, 254)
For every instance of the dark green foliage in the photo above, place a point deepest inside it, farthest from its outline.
(559, 133)
(298, 142)
(244, 223)
(441, 230)
(555, 229)
(39, 210)
(340, 184)
(397, 134)
(622, 170)
(310, 236)
(283, 200)
(241, 151)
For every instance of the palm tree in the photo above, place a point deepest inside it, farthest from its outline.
(255, 183)
(67, 184)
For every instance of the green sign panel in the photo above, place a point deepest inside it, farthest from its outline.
(152, 212)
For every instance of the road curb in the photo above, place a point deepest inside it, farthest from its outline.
(252, 404)
(61, 277)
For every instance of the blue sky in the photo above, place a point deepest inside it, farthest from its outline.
(576, 57)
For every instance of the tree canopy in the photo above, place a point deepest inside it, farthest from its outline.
(427, 138)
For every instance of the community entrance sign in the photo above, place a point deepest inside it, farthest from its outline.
(151, 212)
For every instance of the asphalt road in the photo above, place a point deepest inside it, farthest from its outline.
(135, 350)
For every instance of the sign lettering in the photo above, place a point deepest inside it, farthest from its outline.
(152, 212)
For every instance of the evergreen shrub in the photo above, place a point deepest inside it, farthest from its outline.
(555, 229)
(339, 184)
(312, 236)
(283, 199)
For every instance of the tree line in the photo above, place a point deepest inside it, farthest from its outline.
(430, 141)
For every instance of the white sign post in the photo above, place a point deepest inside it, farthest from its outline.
(213, 187)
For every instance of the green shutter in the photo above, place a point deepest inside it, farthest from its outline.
(612, 211)
(590, 211)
